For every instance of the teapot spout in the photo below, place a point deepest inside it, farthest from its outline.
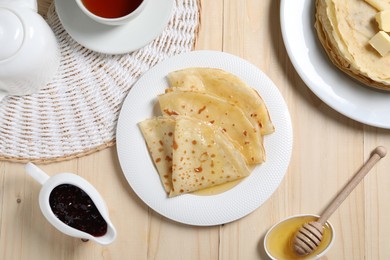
(3, 94)
(32, 4)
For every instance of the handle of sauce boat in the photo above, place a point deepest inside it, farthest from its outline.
(35, 172)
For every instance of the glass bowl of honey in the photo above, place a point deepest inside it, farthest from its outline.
(278, 241)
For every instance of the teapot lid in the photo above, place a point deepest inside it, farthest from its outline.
(11, 33)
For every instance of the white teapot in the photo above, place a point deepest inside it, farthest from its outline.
(29, 52)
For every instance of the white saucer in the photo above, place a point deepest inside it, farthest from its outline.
(114, 39)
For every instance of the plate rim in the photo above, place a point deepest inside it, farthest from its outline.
(203, 222)
(315, 88)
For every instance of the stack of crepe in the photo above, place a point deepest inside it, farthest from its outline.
(344, 28)
(211, 128)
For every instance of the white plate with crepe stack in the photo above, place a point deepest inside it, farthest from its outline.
(202, 210)
(347, 96)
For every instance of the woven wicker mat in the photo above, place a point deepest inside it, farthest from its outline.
(76, 114)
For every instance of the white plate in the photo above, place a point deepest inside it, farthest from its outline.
(114, 39)
(338, 90)
(231, 205)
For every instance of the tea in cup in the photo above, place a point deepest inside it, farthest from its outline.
(113, 12)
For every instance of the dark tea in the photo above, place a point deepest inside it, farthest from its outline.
(111, 8)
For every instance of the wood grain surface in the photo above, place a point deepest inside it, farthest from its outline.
(328, 150)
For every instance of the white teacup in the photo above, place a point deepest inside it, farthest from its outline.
(113, 21)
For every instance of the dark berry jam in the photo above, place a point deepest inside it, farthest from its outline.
(76, 209)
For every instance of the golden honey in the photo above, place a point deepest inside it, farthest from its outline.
(222, 187)
(280, 239)
(217, 189)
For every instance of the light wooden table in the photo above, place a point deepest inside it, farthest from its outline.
(328, 149)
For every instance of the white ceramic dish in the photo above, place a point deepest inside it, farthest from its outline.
(49, 183)
(119, 39)
(339, 91)
(231, 205)
(319, 255)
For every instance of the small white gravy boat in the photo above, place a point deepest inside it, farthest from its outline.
(49, 183)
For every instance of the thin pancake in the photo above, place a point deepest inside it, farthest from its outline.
(203, 157)
(158, 134)
(344, 28)
(227, 86)
(228, 117)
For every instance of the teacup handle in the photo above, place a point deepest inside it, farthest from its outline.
(35, 172)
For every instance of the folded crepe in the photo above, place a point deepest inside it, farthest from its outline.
(344, 28)
(190, 154)
(228, 117)
(203, 157)
(158, 134)
(227, 86)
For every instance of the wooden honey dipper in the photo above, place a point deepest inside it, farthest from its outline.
(309, 236)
